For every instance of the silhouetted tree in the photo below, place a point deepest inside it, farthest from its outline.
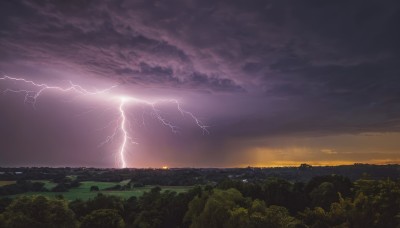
(323, 190)
(228, 208)
(103, 218)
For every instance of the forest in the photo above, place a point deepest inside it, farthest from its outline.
(323, 201)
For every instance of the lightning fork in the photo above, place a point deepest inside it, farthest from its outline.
(32, 96)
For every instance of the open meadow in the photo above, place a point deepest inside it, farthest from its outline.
(83, 191)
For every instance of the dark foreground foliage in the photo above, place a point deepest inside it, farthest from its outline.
(324, 201)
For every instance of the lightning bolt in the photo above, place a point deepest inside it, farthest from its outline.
(32, 96)
(124, 133)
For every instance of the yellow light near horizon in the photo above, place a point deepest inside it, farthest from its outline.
(165, 167)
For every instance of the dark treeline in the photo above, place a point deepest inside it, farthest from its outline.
(199, 176)
(22, 186)
(323, 201)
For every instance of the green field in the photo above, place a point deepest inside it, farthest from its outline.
(83, 191)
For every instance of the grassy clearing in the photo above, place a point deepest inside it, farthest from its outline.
(47, 184)
(83, 191)
(4, 183)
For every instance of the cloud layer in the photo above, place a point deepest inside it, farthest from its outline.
(259, 69)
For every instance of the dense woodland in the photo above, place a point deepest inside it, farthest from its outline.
(322, 201)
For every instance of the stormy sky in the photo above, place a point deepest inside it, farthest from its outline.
(277, 82)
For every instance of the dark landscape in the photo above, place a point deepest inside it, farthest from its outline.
(199, 114)
(359, 195)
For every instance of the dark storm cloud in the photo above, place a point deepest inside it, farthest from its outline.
(287, 67)
(91, 36)
(165, 76)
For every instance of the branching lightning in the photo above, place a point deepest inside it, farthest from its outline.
(32, 96)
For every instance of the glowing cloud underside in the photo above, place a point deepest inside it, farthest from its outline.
(31, 97)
